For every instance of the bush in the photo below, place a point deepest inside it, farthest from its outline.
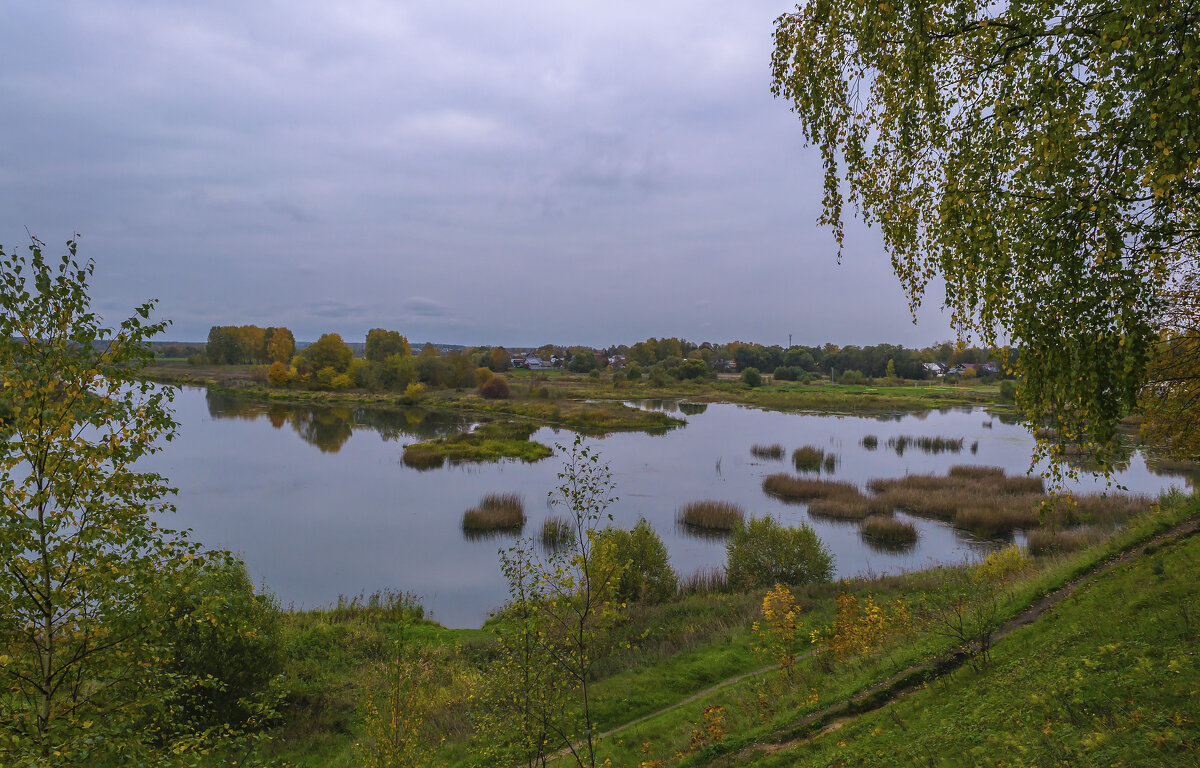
(594, 373)
(341, 381)
(277, 374)
(692, 369)
(751, 377)
(785, 373)
(495, 388)
(852, 377)
(413, 394)
(483, 375)
(648, 575)
(224, 644)
(1008, 391)
(762, 552)
(633, 372)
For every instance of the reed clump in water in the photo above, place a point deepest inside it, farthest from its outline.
(926, 443)
(496, 512)
(711, 515)
(808, 458)
(773, 452)
(556, 532)
(830, 463)
(848, 507)
(423, 457)
(792, 488)
(987, 502)
(888, 530)
(870, 442)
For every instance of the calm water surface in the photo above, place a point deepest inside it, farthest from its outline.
(319, 504)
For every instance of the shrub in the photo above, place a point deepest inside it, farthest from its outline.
(496, 511)
(413, 394)
(341, 381)
(325, 377)
(224, 644)
(808, 458)
(1008, 391)
(711, 515)
(751, 377)
(495, 388)
(647, 574)
(633, 372)
(556, 532)
(762, 552)
(692, 369)
(888, 530)
(852, 377)
(594, 373)
(277, 374)
(783, 373)
(767, 451)
(483, 375)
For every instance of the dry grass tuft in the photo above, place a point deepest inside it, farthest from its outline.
(808, 458)
(711, 515)
(496, 512)
(888, 530)
(791, 488)
(774, 452)
(847, 507)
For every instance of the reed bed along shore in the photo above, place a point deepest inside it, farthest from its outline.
(710, 515)
(808, 458)
(496, 512)
(771, 452)
(423, 457)
(889, 530)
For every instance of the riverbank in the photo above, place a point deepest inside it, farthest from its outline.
(689, 665)
(596, 405)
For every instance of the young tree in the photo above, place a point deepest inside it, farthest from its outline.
(82, 560)
(564, 607)
(1038, 156)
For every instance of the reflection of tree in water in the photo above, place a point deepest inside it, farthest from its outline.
(326, 428)
(329, 427)
(692, 409)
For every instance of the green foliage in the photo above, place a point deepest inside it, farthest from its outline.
(692, 369)
(85, 564)
(763, 552)
(633, 372)
(1038, 157)
(224, 639)
(329, 351)
(382, 344)
(851, 377)
(751, 377)
(495, 388)
(1008, 391)
(646, 573)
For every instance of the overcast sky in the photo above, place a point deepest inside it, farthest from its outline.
(497, 173)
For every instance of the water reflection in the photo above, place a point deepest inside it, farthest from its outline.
(329, 427)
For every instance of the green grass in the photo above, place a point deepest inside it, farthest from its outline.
(1110, 677)
(488, 442)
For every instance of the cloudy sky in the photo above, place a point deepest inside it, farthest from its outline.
(502, 173)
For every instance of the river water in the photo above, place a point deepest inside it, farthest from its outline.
(318, 503)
